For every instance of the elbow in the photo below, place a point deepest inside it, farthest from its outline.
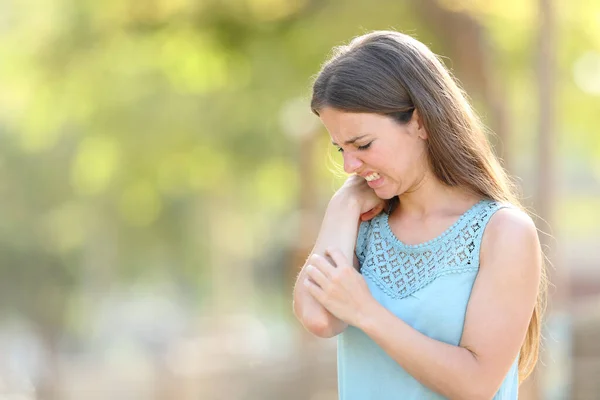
(322, 328)
(482, 395)
(477, 391)
(470, 394)
(476, 382)
(319, 324)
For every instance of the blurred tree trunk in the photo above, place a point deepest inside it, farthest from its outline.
(48, 387)
(546, 125)
(472, 54)
(556, 373)
(49, 326)
(308, 230)
(221, 264)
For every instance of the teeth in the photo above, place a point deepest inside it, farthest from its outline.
(372, 177)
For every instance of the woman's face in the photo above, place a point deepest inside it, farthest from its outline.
(392, 157)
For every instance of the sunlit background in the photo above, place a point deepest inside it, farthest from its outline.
(162, 180)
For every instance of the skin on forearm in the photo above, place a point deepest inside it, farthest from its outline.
(452, 371)
(338, 229)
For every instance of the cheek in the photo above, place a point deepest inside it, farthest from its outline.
(405, 164)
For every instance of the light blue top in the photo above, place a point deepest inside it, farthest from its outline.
(427, 286)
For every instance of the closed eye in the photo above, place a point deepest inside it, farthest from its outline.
(364, 147)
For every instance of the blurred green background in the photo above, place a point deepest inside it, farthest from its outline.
(162, 180)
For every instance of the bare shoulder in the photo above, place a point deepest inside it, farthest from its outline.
(510, 236)
(510, 222)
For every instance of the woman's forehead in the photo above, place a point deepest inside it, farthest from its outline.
(345, 126)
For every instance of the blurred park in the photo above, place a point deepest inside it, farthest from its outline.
(162, 180)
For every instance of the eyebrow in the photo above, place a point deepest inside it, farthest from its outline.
(354, 139)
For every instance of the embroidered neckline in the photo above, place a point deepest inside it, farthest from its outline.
(467, 214)
(400, 269)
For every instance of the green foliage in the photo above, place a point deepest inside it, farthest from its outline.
(125, 122)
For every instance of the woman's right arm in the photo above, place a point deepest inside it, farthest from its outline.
(338, 229)
(355, 201)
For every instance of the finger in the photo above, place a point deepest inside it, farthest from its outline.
(366, 216)
(314, 290)
(380, 207)
(310, 279)
(371, 213)
(317, 276)
(322, 264)
(338, 257)
(376, 210)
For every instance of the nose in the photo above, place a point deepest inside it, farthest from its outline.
(351, 163)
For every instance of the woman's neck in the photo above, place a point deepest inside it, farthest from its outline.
(430, 196)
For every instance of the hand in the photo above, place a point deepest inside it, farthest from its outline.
(338, 287)
(356, 188)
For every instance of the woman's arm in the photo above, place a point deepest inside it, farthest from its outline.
(498, 314)
(339, 229)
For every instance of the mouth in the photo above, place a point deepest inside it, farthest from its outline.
(372, 177)
(374, 180)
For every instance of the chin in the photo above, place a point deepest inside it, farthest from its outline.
(385, 194)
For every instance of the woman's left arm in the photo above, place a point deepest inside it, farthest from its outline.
(498, 313)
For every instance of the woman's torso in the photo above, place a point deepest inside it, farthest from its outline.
(427, 286)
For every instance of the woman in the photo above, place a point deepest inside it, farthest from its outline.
(439, 296)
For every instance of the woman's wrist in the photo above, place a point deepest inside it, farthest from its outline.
(347, 201)
(367, 315)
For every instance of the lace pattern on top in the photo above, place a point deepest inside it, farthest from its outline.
(400, 269)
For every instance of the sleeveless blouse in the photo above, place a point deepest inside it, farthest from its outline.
(427, 286)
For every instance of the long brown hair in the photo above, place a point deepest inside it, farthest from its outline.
(393, 74)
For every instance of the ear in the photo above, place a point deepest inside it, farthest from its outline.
(421, 132)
